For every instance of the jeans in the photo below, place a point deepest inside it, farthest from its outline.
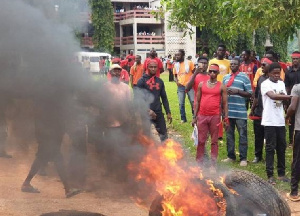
(207, 125)
(259, 138)
(295, 176)
(241, 125)
(275, 140)
(181, 98)
(291, 129)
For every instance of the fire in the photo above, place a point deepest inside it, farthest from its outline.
(183, 189)
(222, 180)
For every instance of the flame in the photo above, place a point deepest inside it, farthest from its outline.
(183, 188)
(222, 180)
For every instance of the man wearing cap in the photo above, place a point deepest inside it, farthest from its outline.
(155, 88)
(124, 77)
(210, 95)
(153, 56)
(131, 58)
(256, 112)
(238, 89)
(292, 78)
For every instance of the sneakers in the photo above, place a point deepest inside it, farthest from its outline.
(228, 160)
(256, 160)
(272, 181)
(284, 179)
(243, 163)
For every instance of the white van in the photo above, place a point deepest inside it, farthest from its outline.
(94, 58)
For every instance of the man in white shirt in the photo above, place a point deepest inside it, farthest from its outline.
(273, 94)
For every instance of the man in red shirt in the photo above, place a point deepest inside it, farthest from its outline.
(210, 95)
(153, 56)
(200, 75)
(124, 77)
(130, 58)
(248, 66)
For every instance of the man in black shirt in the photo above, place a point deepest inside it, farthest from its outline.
(256, 112)
(155, 86)
(292, 77)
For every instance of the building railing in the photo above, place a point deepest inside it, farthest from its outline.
(88, 41)
(117, 41)
(143, 40)
(133, 14)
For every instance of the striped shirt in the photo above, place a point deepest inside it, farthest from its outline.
(236, 103)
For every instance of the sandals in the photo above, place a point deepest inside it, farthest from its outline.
(29, 189)
(293, 198)
(72, 192)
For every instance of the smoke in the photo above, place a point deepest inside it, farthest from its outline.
(39, 75)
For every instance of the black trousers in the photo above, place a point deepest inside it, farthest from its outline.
(171, 75)
(295, 177)
(259, 133)
(275, 141)
(291, 129)
(160, 126)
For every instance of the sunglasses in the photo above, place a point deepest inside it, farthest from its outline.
(213, 71)
(263, 64)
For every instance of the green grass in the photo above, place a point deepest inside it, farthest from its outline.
(186, 129)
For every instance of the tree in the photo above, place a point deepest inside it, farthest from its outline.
(230, 18)
(103, 22)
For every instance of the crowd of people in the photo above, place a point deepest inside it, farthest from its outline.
(221, 92)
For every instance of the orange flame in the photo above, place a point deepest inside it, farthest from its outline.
(184, 193)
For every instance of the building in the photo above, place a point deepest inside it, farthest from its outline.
(139, 30)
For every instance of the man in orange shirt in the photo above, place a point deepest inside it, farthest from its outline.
(136, 71)
(183, 70)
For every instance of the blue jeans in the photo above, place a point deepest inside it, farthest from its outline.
(181, 98)
(241, 125)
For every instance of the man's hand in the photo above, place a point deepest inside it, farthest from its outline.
(152, 114)
(194, 122)
(169, 116)
(226, 123)
(231, 91)
(287, 120)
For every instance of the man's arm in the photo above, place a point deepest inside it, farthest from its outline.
(293, 107)
(275, 96)
(199, 94)
(164, 99)
(224, 101)
(190, 84)
(131, 81)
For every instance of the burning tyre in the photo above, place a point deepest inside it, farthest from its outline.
(245, 194)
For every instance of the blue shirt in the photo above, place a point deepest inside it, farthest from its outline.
(236, 103)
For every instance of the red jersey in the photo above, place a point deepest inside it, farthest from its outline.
(250, 70)
(132, 57)
(124, 77)
(210, 100)
(159, 65)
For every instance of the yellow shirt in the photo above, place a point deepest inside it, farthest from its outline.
(224, 66)
(182, 75)
(259, 73)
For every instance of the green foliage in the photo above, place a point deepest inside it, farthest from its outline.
(103, 22)
(234, 21)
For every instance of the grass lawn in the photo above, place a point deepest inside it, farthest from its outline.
(186, 129)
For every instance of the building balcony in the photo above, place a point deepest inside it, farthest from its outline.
(143, 40)
(133, 14)
(87, 42)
